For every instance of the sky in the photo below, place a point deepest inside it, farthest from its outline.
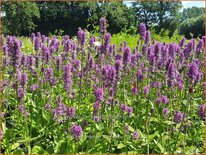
(186, 4)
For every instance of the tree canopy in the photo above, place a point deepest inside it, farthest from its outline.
(22, 18)
(19, 17)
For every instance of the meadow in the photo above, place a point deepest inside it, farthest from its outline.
(97, 93)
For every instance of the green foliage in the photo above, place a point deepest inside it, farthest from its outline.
(67, 16)
(118, 16)
(19, 17)
(160, 14)
(193, 25)
(192, 12)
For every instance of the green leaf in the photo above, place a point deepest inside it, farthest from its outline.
(108, 138)
(60, 147)
(97, 127)
(169, 122)
(18, 152)
(120, 146)
(14, 146)
(159, 146)
(151, 137)
(38, 150)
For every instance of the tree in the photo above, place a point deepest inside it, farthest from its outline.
(192, 12)
(158, 14)
(118, 15)
(67, 16)
(19, 17)
(193, 26)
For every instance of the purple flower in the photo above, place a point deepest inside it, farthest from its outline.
(96, 107)
(20, 92)
(37, 43)
(48, 74)
(32, 37)
(139, 75)
(127, 56)
(126, 128)
(165, 99)
(172, 51)
(130, 111)
(178, 116)
(194, 72)
(76, 131)
(53, 81)
(46, 54)
(135, 135)
(92, 40)
(111, 92)
(201, 111)
(146, 89)
(102, 25)
(123, 107)
(135, 90)
(48, 106)
(142, 30)
(23, 79)
(34, 87)
(71, 112)
(98, 92)
(182, 42)
(81, 37)
(21, 108)
(67, 77)
(165, 111)
(118, 65)
(107, 38)
(172, 71)
(109, 73)
(147, 38)
(96, 119)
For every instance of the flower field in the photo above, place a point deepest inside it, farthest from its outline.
(86, 95)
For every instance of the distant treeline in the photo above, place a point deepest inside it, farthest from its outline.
(22, 18)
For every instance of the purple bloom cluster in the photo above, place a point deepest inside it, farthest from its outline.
(81, 37)
(135, 135)
(67, 77)
(103, 25)
(178, 116)
(99, 94)
(127, 109)
(76, 131)
(142, 30)
(201, 111)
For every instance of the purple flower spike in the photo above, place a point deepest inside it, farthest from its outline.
(178, 116)
(98, 92)
(20, 92)
(123, 107)
(142, 30)
(71, 112)
(81, 37)
(23, 79)
(146, 89)
(165, 111)
(48, 106)
(135, 135)
(103, 25)
(201, 111)
(76, 131)
(127, 56)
